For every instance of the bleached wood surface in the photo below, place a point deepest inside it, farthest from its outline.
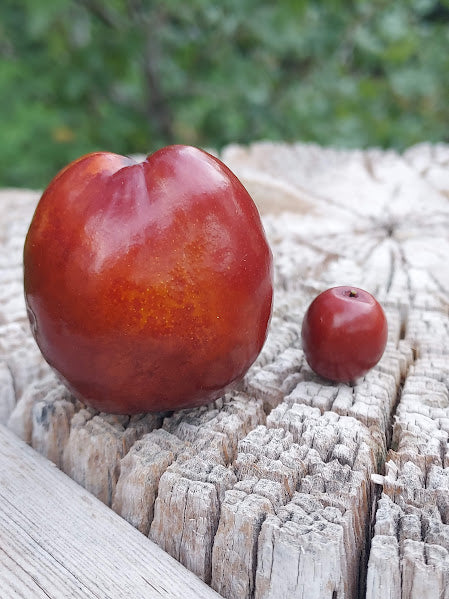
(290, 486)
(58, 541)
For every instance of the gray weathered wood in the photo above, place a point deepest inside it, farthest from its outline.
(58, 541)
(271, 491)
(412, 522)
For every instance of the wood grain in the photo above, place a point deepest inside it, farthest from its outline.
(58, 541)
(289, 485)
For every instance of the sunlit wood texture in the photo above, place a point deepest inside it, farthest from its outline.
(290, 486)
(58, 541)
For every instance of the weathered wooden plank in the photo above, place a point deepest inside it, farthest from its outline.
(58, 541)
(319, 467)
(277, 474)
(140, 472)
(187, 509)
(413, 516)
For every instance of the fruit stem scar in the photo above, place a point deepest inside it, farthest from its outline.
(353, 293)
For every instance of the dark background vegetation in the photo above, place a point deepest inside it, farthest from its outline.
(129, 76)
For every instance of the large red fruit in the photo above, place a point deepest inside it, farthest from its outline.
(148, 285)
(344, 333)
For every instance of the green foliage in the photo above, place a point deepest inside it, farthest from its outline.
(129, 76)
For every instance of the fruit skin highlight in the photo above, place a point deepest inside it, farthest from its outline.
(148, 285)
(344, 333)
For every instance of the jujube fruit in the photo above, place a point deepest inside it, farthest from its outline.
(148, 285)
(344, 333)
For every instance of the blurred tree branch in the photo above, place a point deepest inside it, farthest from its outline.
(99, 10)
(157, 110)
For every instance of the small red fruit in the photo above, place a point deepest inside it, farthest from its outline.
(344, 333)
(148, 285)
